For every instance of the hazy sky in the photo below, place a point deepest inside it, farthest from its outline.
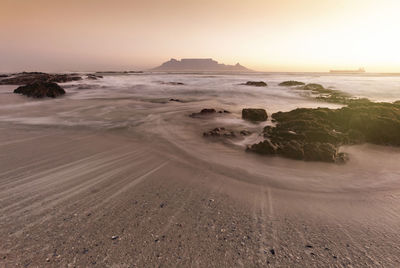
(276, 35)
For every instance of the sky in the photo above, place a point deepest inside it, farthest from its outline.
(264, 35)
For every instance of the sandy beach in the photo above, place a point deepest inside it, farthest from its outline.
(115, 175)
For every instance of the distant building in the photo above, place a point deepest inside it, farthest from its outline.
(208, 64)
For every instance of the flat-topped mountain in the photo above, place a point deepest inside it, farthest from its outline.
(199, 65)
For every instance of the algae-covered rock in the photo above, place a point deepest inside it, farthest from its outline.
(317, 134)
(291, 83)
(256, 83)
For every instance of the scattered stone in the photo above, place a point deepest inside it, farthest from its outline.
(252, 114)
(47, 260)
(220, 132)
(224, 112)
(291, 83)
(41, 90)
(163, 204)
(272, 251)
(255, 83)
(309, 246)
(114, 237)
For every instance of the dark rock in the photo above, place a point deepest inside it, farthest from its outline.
(207, 111)
(40, 90)
(224, 112)
(3, 75)
(264, 147)
(254, 114)
(291, 83)
(176, 100)
(272, 251)
(255, 83)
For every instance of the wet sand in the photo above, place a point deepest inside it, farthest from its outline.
(108, 178)
(83, 198)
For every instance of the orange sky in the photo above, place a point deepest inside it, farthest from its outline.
(276, 35)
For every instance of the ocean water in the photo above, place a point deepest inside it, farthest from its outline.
(138, 106)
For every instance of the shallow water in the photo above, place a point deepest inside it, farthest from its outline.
(138, 106)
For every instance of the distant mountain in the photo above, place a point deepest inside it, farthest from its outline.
(188, 65)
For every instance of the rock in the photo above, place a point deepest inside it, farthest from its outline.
(114, 237)
(220, 132)
(175, 83)
(176, 100)
(207, 111)
(291, 83)
(326, 94)
(3, 75)
(252, 114)
(31, 77)
(255, 83)
(264, 147)
(317, 134)
(40, 90)
(245, 132)
(93, 76)
(224, 112)
(313, 87)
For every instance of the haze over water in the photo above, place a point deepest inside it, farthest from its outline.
(138, 105)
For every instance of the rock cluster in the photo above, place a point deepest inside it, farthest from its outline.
(316, 134)
(220, 132)
(226, 133)
(31, 77)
